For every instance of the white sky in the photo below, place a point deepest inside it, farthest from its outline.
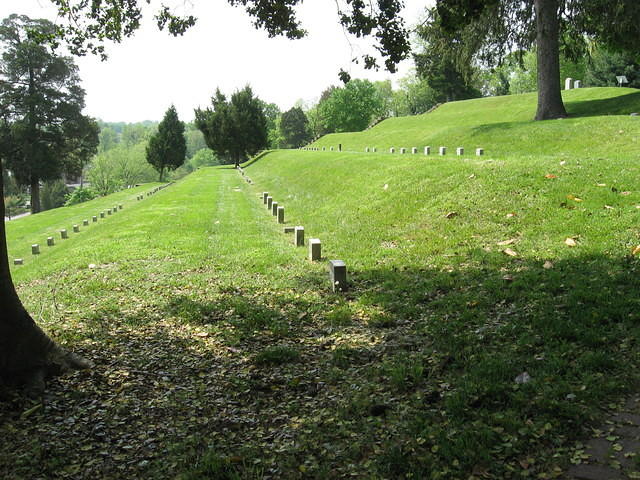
(148, 72)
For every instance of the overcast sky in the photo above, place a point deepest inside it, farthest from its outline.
(148, 72)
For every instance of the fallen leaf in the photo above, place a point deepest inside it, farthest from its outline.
(625, 193)
(385, 186)
(511, 253)
(550, 175)
(601, 184)
(451, 214)
(547, 265)
(636, 250)
(507, 242)
(511, 215)
(508, 278)
(570, 242)
(608, 207)
(574, 198)
(563, 163)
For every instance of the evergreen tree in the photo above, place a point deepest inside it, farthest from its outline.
(167, 149)
(234, 129)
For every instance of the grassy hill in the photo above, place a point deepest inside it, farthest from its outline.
(221, 351)
(599, 125)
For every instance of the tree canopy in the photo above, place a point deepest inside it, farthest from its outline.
(41, 102)
(487, 31)
(234, 129)
(167, 148)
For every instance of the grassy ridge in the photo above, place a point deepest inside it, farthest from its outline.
(24, 232)
(504, 126)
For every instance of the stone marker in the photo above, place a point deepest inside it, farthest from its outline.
(403, 150)
(17, 261)
(460, 151)
(568, 83)
(338, 275)
(108, 211)
(374, 149)
(63, 233)
(76, 228)
(427, 150)
(577, 84)
(115, 209)
(298, 236)
(392, 150)
(289, 229)
(85, 223)
(479, 152)
(331, 149)
(94, 219)
(280, 214)
(274, 209)
(269, 202)
(324, 148)
(35, 249)
(120, 207)
(264, 197)
(634, 114)
(50, 242)
(443, 150)
(315, 249)
(101, 214)
(414, 150)
(366, 150)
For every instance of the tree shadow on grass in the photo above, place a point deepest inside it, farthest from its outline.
(622, 105)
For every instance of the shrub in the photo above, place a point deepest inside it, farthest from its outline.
(80, 195)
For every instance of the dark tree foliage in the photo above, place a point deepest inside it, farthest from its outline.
(488, 30)
(294, 128)
(604, 66)
(90, 23)
(234, 129)
(42, 102)
(167, 149)
(83, 136)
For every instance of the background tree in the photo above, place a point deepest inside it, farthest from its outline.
(167, 148)
(294, 128)
(488, 30)
(43, 100)
(604, 65)
(352, 107)
(234, 129)
(82, 135)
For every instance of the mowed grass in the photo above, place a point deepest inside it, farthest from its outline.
(221, 351)
(598, 125)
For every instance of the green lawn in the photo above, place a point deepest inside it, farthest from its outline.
(599, 125)
(222, 353)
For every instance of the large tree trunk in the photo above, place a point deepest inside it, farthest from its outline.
(549, 94)
(27, 354)
(35, 196)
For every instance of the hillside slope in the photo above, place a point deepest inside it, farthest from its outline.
(598, 125)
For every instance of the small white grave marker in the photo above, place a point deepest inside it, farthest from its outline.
(315, 249)
(269, 202)
(50, 242)
(414, 150)
(35, 249)
(94, 219)
(85, 222)
(460, 151)
(403, 150)
(63, 233)
(443, 150)
(338, 275)
(17, 261)
(392, 150)
(274, 209)
(427, 150)
(568, 83)
(479, 152)
(280, 214)
(298, 236)
(76, 228)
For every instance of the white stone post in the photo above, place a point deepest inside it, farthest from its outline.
(568, 83)
(338, 275)
(315, 249)
(443, 150)
(298, 236)
(460, 151)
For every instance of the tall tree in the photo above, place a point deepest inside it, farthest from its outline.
(167, 148)
(82, 134)
(234, 129)
(294, 128)
(352, 107)
(43, 99)
(488, 30)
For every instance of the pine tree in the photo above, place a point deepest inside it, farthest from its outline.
(167, 149)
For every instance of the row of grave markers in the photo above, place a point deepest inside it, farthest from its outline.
(337, 268)
(64, 235)
(427, 150)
